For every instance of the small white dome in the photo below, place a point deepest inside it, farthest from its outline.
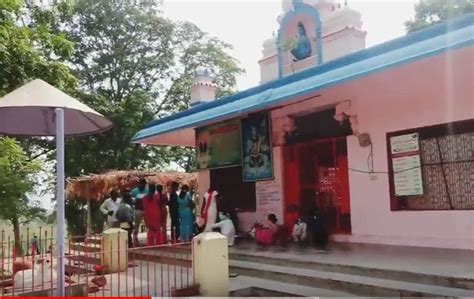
(269, 47)
(203, 72)
(270, 42)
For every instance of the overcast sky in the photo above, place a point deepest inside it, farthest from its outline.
(247, 23)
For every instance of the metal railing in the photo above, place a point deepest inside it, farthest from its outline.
(97, 267)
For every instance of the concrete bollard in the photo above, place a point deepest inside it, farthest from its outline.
(211, 264)
(114, 247)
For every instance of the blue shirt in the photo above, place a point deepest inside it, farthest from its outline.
(138, 195)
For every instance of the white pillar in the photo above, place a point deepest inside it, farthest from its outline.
(211, 264)
(60, 219)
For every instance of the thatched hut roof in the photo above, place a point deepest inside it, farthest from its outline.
(98, 186)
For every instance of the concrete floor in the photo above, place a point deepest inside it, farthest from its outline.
(146, 279)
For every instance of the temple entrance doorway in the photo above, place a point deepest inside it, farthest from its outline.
(316, 172)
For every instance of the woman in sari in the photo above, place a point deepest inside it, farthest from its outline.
(186, 217)
(163, 214)
(152, 215)
(265, 233)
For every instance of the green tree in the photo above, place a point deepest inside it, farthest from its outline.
(30, 47)
(133, 66)
(16, 180)
(429, 12)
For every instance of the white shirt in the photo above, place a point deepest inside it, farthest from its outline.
(110, 205)
(227, 229)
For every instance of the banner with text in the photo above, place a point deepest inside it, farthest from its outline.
(219, 145)
(269, 199)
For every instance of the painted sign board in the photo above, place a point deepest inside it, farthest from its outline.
(219, 145)
(406, 164)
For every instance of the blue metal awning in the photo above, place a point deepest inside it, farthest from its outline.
(419, 45)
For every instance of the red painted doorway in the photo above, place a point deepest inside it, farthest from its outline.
(316, 174)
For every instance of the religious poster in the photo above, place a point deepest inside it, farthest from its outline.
(256, 148)
(269, 199)
(219, 145)
(406, 164)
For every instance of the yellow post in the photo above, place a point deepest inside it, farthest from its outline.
(211, 264)
(114, 247)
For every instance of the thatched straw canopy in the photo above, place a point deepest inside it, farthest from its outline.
(98, 186)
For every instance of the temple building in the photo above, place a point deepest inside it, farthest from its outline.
(380, 140)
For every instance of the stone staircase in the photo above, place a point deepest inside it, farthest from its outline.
(345, 279)
(274, 273)
(83, 256)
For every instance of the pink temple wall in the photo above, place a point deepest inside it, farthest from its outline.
(431, 91)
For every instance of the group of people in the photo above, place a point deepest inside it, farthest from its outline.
(302, 230)
(149, 203)
(190, 216)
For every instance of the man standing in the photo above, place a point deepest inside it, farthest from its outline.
(137, 194)
(109, 207)
(34, 246)
(174, 211)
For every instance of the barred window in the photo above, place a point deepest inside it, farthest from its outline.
(447, 168)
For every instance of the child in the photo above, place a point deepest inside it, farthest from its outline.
(227, 227)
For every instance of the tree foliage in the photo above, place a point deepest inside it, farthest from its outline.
(134, 65)
(429, 12)
(30, 48)
(16, 180)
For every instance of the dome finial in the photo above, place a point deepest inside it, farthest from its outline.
(202, 71)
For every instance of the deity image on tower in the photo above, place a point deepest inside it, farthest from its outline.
(302, 49)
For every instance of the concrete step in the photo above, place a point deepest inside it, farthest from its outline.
(94, 240)
(86, 247)
(406, 276)
(78, 269)
(353, 284)
(83, 259)
(175, 249)
(246, 286)
(147, 257)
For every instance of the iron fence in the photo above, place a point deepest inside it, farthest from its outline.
(96, 266)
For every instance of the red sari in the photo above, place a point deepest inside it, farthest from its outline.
(265, 234)
(152, 216)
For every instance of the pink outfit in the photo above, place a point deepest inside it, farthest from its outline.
(152, 215)
(265, 234)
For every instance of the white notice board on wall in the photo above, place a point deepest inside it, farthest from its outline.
(407, 175)
(269, 199)
(406, 164)
(405, 143)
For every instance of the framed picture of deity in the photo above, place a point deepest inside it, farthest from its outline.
(257, 161)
